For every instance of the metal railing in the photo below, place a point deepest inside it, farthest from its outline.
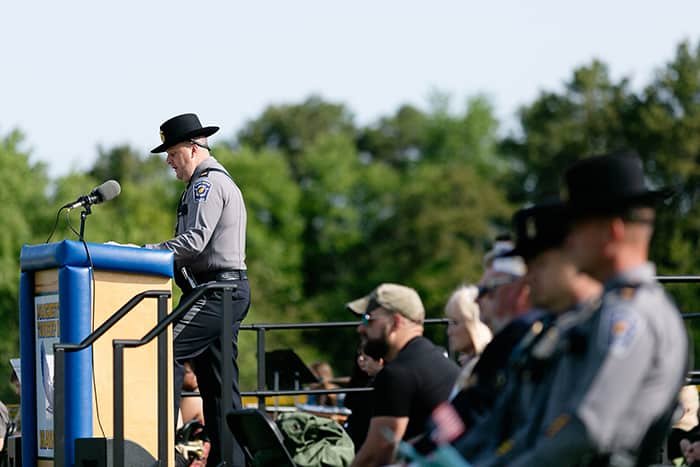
(118, 345)
(261, 330)
(678, 279)
(164, 320)
(159, 331)
(693, 375)
(60, 364)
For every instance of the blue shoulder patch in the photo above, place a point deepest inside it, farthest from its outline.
(622, 332)
(201, 190)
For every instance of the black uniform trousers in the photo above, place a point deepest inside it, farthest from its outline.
(197, 337)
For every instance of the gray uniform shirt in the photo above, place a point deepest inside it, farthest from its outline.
(211, 222)
(604, 399)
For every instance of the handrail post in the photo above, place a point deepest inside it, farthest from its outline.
(225, 435)
(118, 415)
(60, 350)
(163, 454)
(59, 414)
(261, 366)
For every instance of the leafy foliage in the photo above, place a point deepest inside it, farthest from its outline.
(26, 219)
(595, 115)
(416, 197)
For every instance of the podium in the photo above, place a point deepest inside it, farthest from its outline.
(59, 283)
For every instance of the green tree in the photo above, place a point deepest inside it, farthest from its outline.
(375, 216)
(144, 212)
(328, 171)
(398, 140)
(594, 115)
(273, 250)
(440, 135)
(445, 215)
(587, 118)
(291, 129)
(667, 132)
(26, 217)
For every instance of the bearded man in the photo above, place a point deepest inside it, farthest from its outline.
(417, 375)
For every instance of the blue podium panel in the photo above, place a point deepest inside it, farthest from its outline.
(58, 287)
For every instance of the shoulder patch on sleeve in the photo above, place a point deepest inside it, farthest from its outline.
(201, 190)
(627, 293)
(622, 332)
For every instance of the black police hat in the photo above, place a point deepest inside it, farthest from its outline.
(539, 228)
(182, 128)
(608, 184)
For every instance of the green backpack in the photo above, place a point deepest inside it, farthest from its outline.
(315, 441)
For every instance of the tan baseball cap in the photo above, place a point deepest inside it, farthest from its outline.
(393, 297)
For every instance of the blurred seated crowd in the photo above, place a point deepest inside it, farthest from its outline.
(567, 351)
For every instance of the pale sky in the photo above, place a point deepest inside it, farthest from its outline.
(78, 74)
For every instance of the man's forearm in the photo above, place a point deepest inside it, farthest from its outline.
(373, 456)
(377, 448)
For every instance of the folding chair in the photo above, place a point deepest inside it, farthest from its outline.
(259, 437)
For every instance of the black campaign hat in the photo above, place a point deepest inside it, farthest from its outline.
(607, 184)
(181, 128)
(539, 228)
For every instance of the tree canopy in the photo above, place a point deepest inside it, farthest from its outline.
(416, 197)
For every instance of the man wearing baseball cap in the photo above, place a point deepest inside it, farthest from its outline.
(417, 375)
(503, 294)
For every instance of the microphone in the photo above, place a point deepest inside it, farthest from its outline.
(105, 192)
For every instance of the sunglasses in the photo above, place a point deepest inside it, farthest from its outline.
(491, 286)
(366, 318)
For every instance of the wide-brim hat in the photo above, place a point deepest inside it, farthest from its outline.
(182, 128)
(539, 228)
(607, 184)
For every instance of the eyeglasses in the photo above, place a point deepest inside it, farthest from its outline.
(491, 286)
(200, 145)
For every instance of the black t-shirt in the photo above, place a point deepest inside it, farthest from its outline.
(411, 385)
(673, 442)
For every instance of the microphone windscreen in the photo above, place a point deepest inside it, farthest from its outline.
(109, 190)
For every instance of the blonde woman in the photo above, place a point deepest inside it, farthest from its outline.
(467, 334)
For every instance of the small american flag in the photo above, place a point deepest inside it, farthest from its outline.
(448, 424)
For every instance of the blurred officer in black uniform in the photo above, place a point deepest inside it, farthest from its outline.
(209, 245)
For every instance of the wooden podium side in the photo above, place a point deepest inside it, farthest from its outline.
(112, 290)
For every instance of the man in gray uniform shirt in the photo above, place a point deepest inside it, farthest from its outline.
(209, 245)
(620, 371)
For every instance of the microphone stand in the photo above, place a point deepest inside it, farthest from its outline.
(83, 214)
